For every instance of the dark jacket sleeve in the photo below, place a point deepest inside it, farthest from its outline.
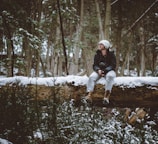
(112, 62)
(96, 61)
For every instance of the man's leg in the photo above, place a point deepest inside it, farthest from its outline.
(110, 80)
(90, 85)
(109, 84)
(92, 81)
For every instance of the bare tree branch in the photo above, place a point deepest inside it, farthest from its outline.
(114, 2)
(134, 24)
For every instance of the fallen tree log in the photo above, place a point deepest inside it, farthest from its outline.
(132, 92)
(123, 97)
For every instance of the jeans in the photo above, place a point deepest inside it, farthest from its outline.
(109, 80)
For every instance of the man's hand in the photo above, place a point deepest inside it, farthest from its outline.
(101, 73)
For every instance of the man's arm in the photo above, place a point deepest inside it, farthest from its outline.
(96, 63)
(112, 65)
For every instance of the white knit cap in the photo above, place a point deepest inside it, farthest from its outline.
(106, 43)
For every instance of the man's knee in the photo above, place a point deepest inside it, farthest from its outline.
(94, 76)
(110, 75)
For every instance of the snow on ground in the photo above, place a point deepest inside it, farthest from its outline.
(3, 141)
(79, 80)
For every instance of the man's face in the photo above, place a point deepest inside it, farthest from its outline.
(101, 47)
(104, 51)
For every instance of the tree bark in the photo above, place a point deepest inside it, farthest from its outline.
(88, 60)
(10, 47)
(38, 50)
(154, 56)
(101, 31)
(142, 47)
(43, 67)
(141, 96)
(118, 35)
(77, 46)
(28, 56)
(126, 61)
(55, 51)
(9, 63)
(108, 19)
(63, 41)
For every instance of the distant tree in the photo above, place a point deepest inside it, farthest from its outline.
(107, 27)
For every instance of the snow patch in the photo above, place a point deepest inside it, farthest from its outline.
(129, 82)
(3, 141)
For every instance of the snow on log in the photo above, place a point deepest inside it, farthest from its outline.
(127, 91)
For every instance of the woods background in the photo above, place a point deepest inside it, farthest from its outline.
(59, 37)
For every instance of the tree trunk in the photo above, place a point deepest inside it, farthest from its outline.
(139, 96)
(118, 35)
(88, 60)
(9, 55)
(154, 56)
(48, 62)
(77, 48)
(28, 57)
(138, 61)
(43, 67)
(55, 51)
(142, 46)
(10, 46)
(126, 61)
(101, 31)
(38, 18)
(63, 40)
(108, 19)
(1, 51)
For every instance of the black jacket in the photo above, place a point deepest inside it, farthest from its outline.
(104, 63)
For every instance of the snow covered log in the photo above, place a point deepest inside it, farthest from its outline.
(127, 91)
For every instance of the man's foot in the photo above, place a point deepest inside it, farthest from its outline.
(88, 98)
(106, 97)
(105, 101)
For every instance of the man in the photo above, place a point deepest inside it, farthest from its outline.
(104, 66)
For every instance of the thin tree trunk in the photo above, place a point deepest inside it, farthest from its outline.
(107, 19)
(154, 56)
(43, 67)
(126, 61)
(48, 65)
(63, 41)
(61, 65)
(38, 51)
(77, 48)
(88, 56)
(56, 64)
(28, 57)
(118, 37)
(55, 51)
(9, 55)
(1, 50)
(142, 46)
(10, 46)
(101, 31)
